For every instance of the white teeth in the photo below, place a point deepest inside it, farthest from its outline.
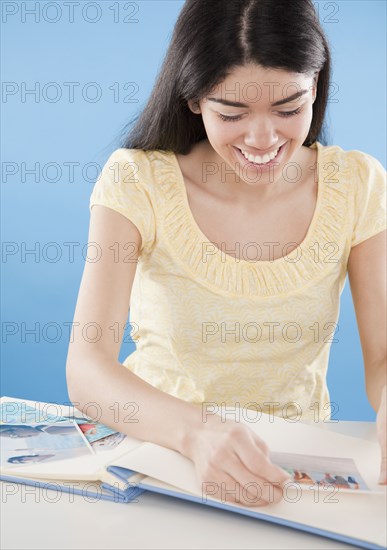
(260, 160)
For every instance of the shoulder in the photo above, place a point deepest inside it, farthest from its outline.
(352, 163)
(140, 156)
(139, 166)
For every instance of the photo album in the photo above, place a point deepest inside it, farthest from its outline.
(333, 490)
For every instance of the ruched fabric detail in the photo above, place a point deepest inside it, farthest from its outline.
(215, 268)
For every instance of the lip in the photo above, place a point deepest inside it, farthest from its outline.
(273, 162)
(262, 154)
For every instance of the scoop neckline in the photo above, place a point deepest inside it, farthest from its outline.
(223, 256)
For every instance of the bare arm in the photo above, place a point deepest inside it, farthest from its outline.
(94, 373)
(367, 277)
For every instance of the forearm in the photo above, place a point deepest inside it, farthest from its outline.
(376, 383)
(154, 416)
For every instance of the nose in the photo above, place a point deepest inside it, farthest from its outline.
(261, 136)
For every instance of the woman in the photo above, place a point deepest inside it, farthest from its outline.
(240, 226)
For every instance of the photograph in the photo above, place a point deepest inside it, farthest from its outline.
(16, 412)
(312, 471)
(30, 443)
(93, 431)
(107, 442)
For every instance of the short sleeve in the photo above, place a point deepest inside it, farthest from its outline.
(369, 183)
(124, 185)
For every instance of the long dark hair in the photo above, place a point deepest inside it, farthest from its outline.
(210, 39)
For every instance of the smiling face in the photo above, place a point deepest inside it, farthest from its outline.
(250, 111)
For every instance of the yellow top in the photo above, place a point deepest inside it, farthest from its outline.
(210, 328)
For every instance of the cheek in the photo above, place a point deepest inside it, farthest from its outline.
(228, 131)
(219, 131)
(299, 124)
(307, 116)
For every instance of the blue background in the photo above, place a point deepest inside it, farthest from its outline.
(103, 48)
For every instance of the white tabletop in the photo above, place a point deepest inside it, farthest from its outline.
(32, 519)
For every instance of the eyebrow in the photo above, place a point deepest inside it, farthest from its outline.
(275, 104)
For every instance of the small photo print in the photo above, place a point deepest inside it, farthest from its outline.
(29, 444)
(93, 431)
(308, 471)
(109, 442)
(19, 412)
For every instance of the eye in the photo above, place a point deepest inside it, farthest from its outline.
(235, 118)
(229, 118)
(290, 113)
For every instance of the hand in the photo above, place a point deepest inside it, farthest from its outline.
(381, 422)
(233, 464)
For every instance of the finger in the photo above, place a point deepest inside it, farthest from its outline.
(260, 443)
(258, 462)
(256, 485)
(383, 471)
(228, 490)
